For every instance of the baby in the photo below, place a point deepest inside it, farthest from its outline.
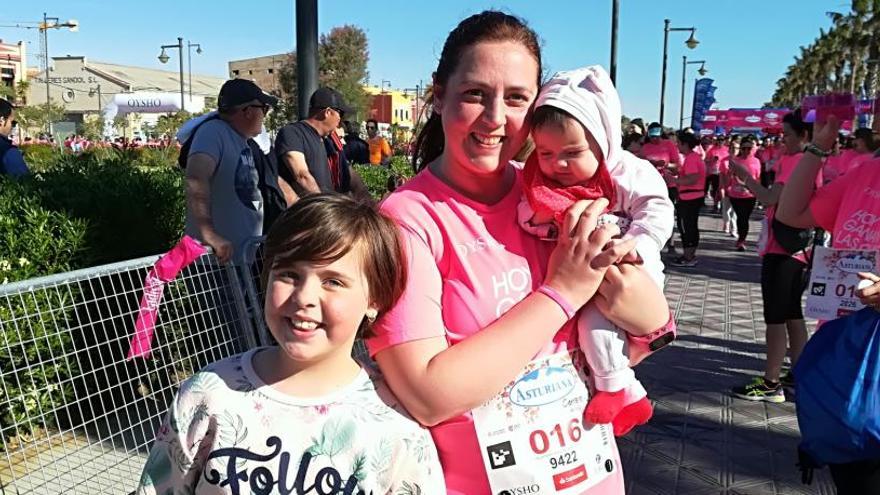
(578, 156)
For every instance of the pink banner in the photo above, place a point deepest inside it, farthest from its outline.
(767, 120)
(165, 270)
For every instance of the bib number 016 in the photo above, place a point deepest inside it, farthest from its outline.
(541, 441)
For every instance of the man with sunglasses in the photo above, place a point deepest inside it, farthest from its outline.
(11, 161)
(302, 154)
(224, 205)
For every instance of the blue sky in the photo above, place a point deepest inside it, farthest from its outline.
(747, 44)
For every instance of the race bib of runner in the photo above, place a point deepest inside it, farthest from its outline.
(533, 437)
(834, 281)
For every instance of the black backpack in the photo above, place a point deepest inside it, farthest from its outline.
(184, 148)
(274, 202)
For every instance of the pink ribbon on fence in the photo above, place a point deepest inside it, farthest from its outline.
(165, 270)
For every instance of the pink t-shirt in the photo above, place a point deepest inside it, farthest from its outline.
(664, 150)
(849, 208)
(737, 190)
(784, 167)
(693, 164)
(714, 157)
(469, 263)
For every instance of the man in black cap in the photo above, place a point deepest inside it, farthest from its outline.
(224, 205)
(302, 155)
(11, 161)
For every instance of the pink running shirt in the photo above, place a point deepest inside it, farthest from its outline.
(737, 190)
(693, 164)
(468, 264)
(784, 167)
(662, 151)
(849, 208)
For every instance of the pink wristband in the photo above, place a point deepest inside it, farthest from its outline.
(558, 299)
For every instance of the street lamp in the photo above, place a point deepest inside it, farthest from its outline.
(702, 71)
(382, 85)
(691, 43)
(615, 10)
(163, 57)
(44, 27)
(189, 58)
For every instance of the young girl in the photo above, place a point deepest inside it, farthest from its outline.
(578, 155)
(303, 416)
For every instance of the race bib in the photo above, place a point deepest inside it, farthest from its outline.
(834, 281)
(533, 437)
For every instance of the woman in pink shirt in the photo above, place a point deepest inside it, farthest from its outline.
(664, 155)
(691, 182)
(849, 208)
(782, 274)
(484, 298)
(741, 199)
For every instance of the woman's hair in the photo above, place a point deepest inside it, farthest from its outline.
(630, 139)
(486, 27)
(867, 136)
(688, 138)
(322, 228)
(797, 124)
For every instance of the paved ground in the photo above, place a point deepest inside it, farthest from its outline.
(702, 440)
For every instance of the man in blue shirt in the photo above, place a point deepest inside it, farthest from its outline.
(11, 160)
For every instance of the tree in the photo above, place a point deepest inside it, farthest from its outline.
(342, 65)
(38, 117)
(844, 59)
(169, 124)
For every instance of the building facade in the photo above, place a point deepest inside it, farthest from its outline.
(13, 66)
(264, 71)
(86, 88)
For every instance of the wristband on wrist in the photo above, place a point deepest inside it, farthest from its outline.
(815, 150)
(556, 297)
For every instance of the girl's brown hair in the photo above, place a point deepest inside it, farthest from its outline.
(322, 228)
(487, 26)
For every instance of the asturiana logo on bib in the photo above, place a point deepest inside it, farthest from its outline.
(855, 264)
(542, 386)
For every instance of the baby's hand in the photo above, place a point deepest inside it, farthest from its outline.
(631, 257)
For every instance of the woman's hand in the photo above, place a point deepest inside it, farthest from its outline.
(870, 295)
(739, 171)
(825, 133)
(630, 298)
(579, 261)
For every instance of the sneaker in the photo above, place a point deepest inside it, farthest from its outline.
(787, 380)
(758, 390)
(670, 249)
(682, 261)
(740, 246)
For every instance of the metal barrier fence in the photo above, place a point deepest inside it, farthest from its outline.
(77, 416)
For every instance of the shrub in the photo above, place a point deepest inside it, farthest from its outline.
(34, 241)
(40, 157)
(376, 178)
(131, 211)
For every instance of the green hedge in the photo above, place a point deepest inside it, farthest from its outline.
(376, 178)
(34, 240)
